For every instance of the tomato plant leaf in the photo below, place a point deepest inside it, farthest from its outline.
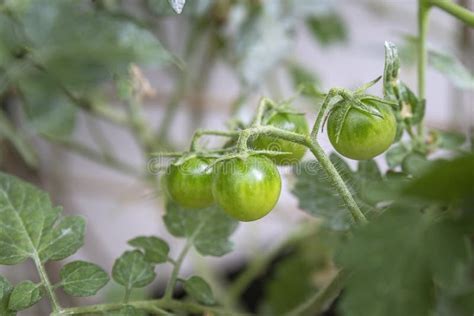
(301, 76)
(156, 249)
(24, 295)
(209, 228)
(31, 227)
(316, 195)
(17, 139)
(449, 140)
(391, 71)
(47, 109)
(132, 270)
(395, 155)
(80, 278)
(200, 290)
(327, 28)
(452, 68)
(5, 291)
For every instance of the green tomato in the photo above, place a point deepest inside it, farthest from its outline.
(246, 189)
(289, 122)
(363, 136)
(190, 183)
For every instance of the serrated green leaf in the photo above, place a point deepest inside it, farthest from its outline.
(64, 239)
(5, 291)
(327, 28)
(28, 222)
(156, 249)
(452, 68)
(80, 278)
(209, 229)
(17, 139)
(24, 295)
(132, 270)
(198, 289)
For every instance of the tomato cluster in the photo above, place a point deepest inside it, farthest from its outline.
(245, 188)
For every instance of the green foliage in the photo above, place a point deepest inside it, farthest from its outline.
(327, 28)
(132, 270)
(24, 295)
(80, 278)
(32, 227)
(316, 195)
(156, 250)
(5, 292)
(200, 290)
(208, 229)
(432, 257)
(453, 69)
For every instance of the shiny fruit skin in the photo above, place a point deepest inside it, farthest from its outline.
(190, 183)
(290, 122)
(246, 189)
(363, 136)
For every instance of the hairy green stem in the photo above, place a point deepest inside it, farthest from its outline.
(177, 267)
(423, 24)
(455, 10)
(338, 182)
(200, 133)
(319, 119)
(47, 284)
(149, 306)
(321, 300)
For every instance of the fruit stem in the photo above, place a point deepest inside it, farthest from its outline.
(423, 23)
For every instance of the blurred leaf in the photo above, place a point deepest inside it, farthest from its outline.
(301, 76)
(24, 295)
(80, 278)
(198, 289)
(445, 180)
(5, 291)
(8, 131)
(48, 110)
(177, 5)
(209, 229)
(395, 155)
(453, 69)
(391, 71)
(29, 225)
(383, 284)
(156, 249)
(327, 28)
(415, 164)
(64, 40)
(450, 140)
(132, 270)
(262, 40)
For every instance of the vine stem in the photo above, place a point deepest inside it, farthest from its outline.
(423, 24)
(47, 284)
(177, 267)
(151, 306)
(455, 10)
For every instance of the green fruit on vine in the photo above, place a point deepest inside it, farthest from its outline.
(363, 136)
(290, 122)
(190, 184)
(246, 189)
